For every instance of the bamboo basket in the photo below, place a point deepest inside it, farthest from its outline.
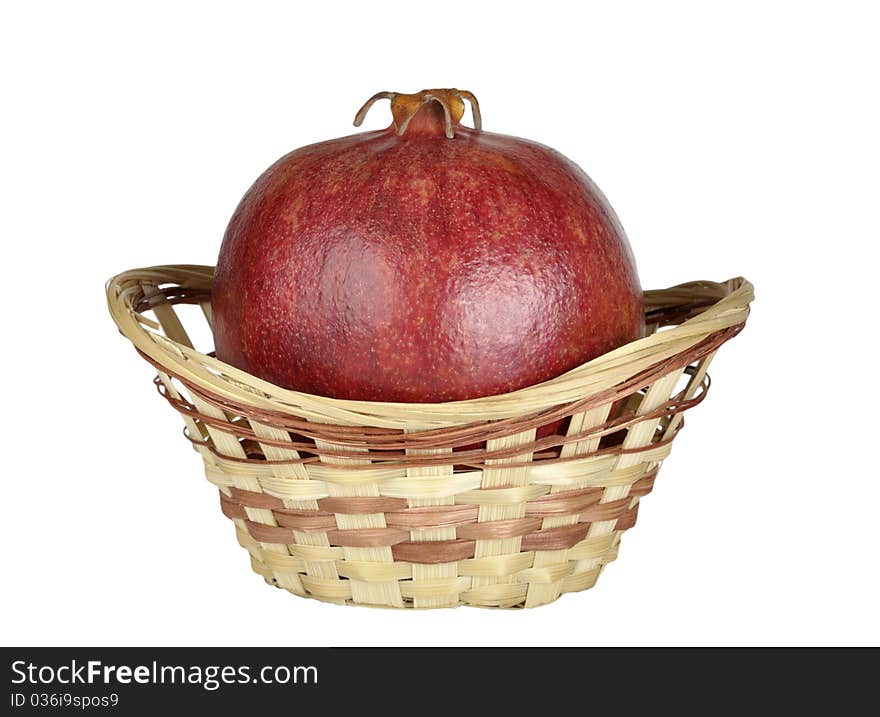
(433, 505)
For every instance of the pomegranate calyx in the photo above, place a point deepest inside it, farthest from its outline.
(405, 106)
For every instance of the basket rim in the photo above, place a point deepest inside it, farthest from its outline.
(714, 307)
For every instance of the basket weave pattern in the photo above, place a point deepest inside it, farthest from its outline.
(434, 505)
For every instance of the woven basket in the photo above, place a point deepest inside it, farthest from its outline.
(433, 505)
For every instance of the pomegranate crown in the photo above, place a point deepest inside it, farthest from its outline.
(404, 107)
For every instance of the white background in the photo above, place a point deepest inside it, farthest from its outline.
(730, 141)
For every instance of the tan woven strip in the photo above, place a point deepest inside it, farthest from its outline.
(294, 490)
(164, 311)
(594, 470)
(294, 566)
(327, 588)
(260, 517)
(434, 589)
(581, 581)
(261, 568)
(283, 563)
(428, 487)
(496, 566)
(431, 573)
(496, 595)
(317, 553)
(691, 389)
(493, 557)
(305, 490)
(497, 496)
(639, 435)
(592, 547)
(363, 592)
(374, 572)
(540, 593)
(248, 543)
(546, 575)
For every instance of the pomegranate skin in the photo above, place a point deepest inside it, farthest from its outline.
(418, 268)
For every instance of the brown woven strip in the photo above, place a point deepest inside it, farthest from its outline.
(302, 521)
(269, 533)
(402, 460)
(231, 509)
(569, 502)
(628, 519)
(498, 529)
(251, 499)
(439, 516)
(389, 452)
(570, 535)
(360, 505)
(582, 502)
(434, 551)
(556, 538)
(604, 511)
(171, 295)
(694, 297)
(367, 537)
(617, 450)
(528, 528)
(643, 486)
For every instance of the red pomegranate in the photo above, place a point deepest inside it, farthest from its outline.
(425, 262)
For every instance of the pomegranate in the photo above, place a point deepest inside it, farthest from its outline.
(425, 262)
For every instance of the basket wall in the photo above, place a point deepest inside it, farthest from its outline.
(434, 505)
